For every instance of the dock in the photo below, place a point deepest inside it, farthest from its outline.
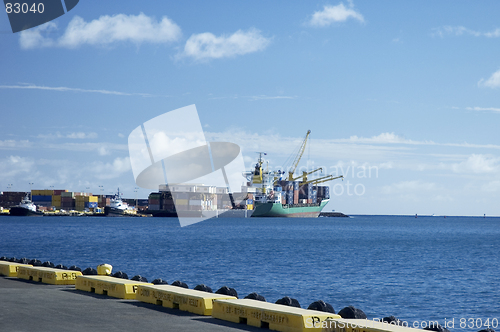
(32, 306)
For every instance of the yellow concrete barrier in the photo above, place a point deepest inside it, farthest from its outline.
(269, 315)
(191, 300)
(48, 275)
(361, 325)
(9, 269)
(111, 286)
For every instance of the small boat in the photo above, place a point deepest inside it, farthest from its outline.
(117, 207)
(25, 208)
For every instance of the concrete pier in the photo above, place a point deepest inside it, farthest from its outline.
(32, 306)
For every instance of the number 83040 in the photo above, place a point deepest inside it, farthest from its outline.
(24, 8)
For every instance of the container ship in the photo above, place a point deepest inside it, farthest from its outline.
(264, 194)
(294, 197)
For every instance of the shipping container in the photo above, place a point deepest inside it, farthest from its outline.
(67, 194)
(183, 188)
(59, 191)
(221, 190)
(41, 198)
(90, 204)
(180, 195)
(67, 204)
(249, 206)
(168, 207)
(181, 202)
(195, 202)
(206, 189)
(153, 207)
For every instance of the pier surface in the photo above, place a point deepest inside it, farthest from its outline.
(32, 306)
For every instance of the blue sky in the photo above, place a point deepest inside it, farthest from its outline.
(407, 90)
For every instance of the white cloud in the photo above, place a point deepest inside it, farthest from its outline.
(492, 109)
(105, 31)
(384, 138)
(492, 82)
(264, 97)
(492, 186)
(13, 144)
(81, 135)
(33, 38)
(477, 163)
(74, 135)
(13, 166)
(103, 151)
(112, 170)
(409, 187)
(332, 14)
(205, 46)
(461, 30)
(63, 89)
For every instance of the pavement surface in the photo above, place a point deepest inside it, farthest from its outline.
(32, 306)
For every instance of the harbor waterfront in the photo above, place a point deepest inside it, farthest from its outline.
(417, 269)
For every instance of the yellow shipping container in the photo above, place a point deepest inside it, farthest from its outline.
(56, 200)
(37, 192)
(86, 199)
(47, 192)
(249, 206)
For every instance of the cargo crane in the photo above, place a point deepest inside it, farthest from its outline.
(305, 174)
(324, 179)
(296, 161)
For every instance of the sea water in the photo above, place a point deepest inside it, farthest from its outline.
(419, 269)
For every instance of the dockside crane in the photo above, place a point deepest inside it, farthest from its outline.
(296, 161)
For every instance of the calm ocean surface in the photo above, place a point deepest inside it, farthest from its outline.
(429, 268)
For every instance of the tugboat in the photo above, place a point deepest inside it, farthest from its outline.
(117, 207)
(25, 208)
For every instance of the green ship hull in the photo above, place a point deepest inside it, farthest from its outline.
(289, 211)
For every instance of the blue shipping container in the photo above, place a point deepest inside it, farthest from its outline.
(41, 198)
(90, 204)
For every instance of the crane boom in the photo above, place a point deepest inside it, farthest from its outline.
(305, 174)
(324, 179)
(297, 158)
